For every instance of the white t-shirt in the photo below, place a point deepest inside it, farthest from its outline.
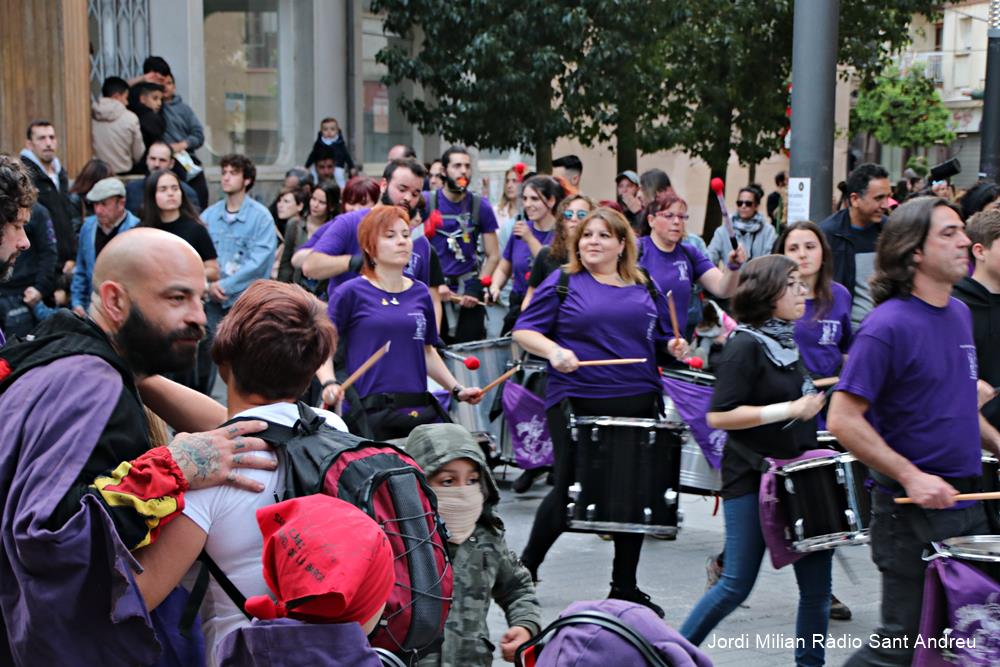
(229, 516)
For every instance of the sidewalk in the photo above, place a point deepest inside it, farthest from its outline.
(673, 574)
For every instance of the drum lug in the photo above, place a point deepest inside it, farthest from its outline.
(789, 485)
(574, 490)
(841, 476)
(595, 434)
(852, 520)
(800, 529)
(680, 517)
(570, 511)
(647, 515)
(591, 512)
(670, 497)
(651, 435)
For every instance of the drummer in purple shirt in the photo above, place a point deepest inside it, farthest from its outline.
(608, 312)
(541, 196)
(823, 334)
(382, 306)
(906, 406)
(676, 265)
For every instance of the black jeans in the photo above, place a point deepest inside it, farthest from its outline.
(899, 535)
(550, 519)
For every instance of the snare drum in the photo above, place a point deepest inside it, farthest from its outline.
(991, 482)
(826, 502)
(494, 356)
(826, 440)
(979, 551)
(626, 475)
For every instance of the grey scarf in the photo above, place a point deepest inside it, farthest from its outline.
(778, 340)
(751, 226)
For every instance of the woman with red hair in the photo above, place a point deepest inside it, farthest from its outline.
(382, 306)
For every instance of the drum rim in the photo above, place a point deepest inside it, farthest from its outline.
(683, 373)
(637, 422)
(836, 457)
(955, 547)
(831, 540)
(477, 344)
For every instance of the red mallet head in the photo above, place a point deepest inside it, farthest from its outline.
(519, 169)
(433, 223)
(718, 187)
(471, 363)
(486, 281)
(527, 276)
(695, 362)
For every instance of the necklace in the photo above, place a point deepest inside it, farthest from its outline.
(392, 300)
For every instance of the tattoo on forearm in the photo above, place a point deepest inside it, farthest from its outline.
(196, 457)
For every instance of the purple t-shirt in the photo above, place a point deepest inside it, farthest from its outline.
(916, 364)
(316, 236)
(598, 321)
(340, 239)
(450, 265)
(367, 317)
(519, 255)
(676, 270)
(823, 341)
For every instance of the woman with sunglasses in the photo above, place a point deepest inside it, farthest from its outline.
(541, 196)
(676, 265)
(753, 232)
(570, 213)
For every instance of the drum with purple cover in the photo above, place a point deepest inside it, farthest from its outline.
(991, 482)
(826, 501)
(979, 551)
(697, 475)
(626, 475)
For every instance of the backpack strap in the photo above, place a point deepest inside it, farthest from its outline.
(562, 288)
(201, 587)
(603, 620)
(477, 202)
(387, 658)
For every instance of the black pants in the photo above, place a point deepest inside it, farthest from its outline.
(550, 519)
(899, 534)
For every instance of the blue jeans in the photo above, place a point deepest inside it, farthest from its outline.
(744, 552)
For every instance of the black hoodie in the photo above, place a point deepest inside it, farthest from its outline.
(985, 307)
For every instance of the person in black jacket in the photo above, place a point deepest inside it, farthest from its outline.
(981, 293)
(33, 277)
(52, 183)
(854, 231)
(330, 145)
(146, 101)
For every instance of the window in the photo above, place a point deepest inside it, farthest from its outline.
(245, 72)
(384, 123)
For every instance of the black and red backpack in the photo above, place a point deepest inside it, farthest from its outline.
(390, 487)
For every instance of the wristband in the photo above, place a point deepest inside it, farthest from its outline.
(776, 412)
(456, 390)
(328, 383)
(733, 266)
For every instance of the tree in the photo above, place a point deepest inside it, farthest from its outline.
(902, 110)
(490, 71)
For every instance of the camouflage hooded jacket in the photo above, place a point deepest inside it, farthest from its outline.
(484, 567)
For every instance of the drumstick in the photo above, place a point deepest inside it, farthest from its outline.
(456, 297)
(826, 382)
(369, 362)
(612, 362)
(673, 314)
(503, 378)
(987, 495)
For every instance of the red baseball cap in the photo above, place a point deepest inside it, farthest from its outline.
(324, 560)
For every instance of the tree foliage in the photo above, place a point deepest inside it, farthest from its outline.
(903, 110)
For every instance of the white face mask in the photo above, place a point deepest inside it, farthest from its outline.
(460, 508)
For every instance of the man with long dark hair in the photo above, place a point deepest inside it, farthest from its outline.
(17, 196)
(912, 369)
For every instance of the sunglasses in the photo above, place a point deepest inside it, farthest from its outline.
(580, 215)
(745, 202)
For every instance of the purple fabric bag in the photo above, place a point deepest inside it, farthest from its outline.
(772, 516)
(527, 426)
(285, 642)
(692, 402)
(960, 598)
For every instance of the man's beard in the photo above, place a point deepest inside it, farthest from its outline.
(149, 351)
(410, 210)
(454, 186)
(7, 267)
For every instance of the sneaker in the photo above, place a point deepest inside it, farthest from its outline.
(838, 610)
(713, 571)
(635, 595)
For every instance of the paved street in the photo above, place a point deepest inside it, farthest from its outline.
(673, 573)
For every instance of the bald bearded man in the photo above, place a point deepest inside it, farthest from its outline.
(81, 485)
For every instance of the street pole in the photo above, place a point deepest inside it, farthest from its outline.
(814, 82)
(989, 155)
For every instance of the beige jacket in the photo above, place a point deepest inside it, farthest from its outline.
(117, 138)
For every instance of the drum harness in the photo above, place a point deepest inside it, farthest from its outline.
(468, 223)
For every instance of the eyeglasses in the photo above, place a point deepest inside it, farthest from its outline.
(683, 217)
(745, 202)
(580, 215)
